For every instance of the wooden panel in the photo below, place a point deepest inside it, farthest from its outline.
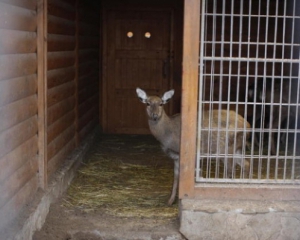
(14, 137)
(60, 43)
(58, 25)
(11, 210)
(87, 129)
(61, 92)
(15, 18)
(60, 60)
(86, 105)
(29, 4)
(56, 128)
(86, 93)
(60, 76)
(88, 117)
(189, 97)
(17, 112)
(17, 65)
(88, 29)
(88, 42)
(89, 19)
(60, 141)
(87, 78)
(58, 159)
(62, 9)
(61, 86)
(88, 55)
(15, 159)
(17, 180)
(88, 67)
(18, 88)
(18, 106)
(14, 42)
(57, 111)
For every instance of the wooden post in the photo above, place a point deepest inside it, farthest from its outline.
(42, 90)
(103, 66)
(189, 98)
(76, 71)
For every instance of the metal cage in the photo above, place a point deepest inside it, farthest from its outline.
(249, 65)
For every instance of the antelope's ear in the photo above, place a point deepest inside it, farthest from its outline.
(142, 95)
(167, 96)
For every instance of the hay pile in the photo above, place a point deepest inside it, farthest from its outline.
(122, 189)
(109, 183)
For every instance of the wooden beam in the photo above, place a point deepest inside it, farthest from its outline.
(77, 71)
(42, 90)
(103, 75)
(189, 98)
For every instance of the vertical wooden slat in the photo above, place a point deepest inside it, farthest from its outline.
(101, 72)
(76, 71)
(103, 94)
(189, 98)
(42, 86)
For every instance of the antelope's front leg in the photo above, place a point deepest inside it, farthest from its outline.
(175, 181)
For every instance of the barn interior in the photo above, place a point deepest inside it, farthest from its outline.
(59, 59)
(69, 70)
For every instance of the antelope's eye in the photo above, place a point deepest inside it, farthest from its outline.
(161, 104)
(148, 104)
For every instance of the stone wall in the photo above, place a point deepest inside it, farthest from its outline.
(220, 220)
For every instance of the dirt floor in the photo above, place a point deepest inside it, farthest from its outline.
(120, 192)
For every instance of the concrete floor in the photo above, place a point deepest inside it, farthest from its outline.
(75, 223)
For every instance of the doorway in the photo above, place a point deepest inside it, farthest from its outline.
(138, 52)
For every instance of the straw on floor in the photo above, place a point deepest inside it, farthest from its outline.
(122, 189)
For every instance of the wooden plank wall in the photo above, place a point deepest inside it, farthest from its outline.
(61, 82)
(73, 74)
(18, 106)
(49, 68)
(88, 66)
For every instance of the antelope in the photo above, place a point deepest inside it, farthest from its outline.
(167, 129)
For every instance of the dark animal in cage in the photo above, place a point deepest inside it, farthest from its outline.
(225, 129)
(271, 96)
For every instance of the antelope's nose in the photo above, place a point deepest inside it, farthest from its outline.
(154, 116)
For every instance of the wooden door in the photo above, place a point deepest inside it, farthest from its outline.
(138, 54)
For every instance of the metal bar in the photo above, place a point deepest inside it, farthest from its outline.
(282, 70)
(255, 43)
(201, 87)
(244, 59)
(212, 83)
(254, 15)
(297, 98)
(252, 181)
